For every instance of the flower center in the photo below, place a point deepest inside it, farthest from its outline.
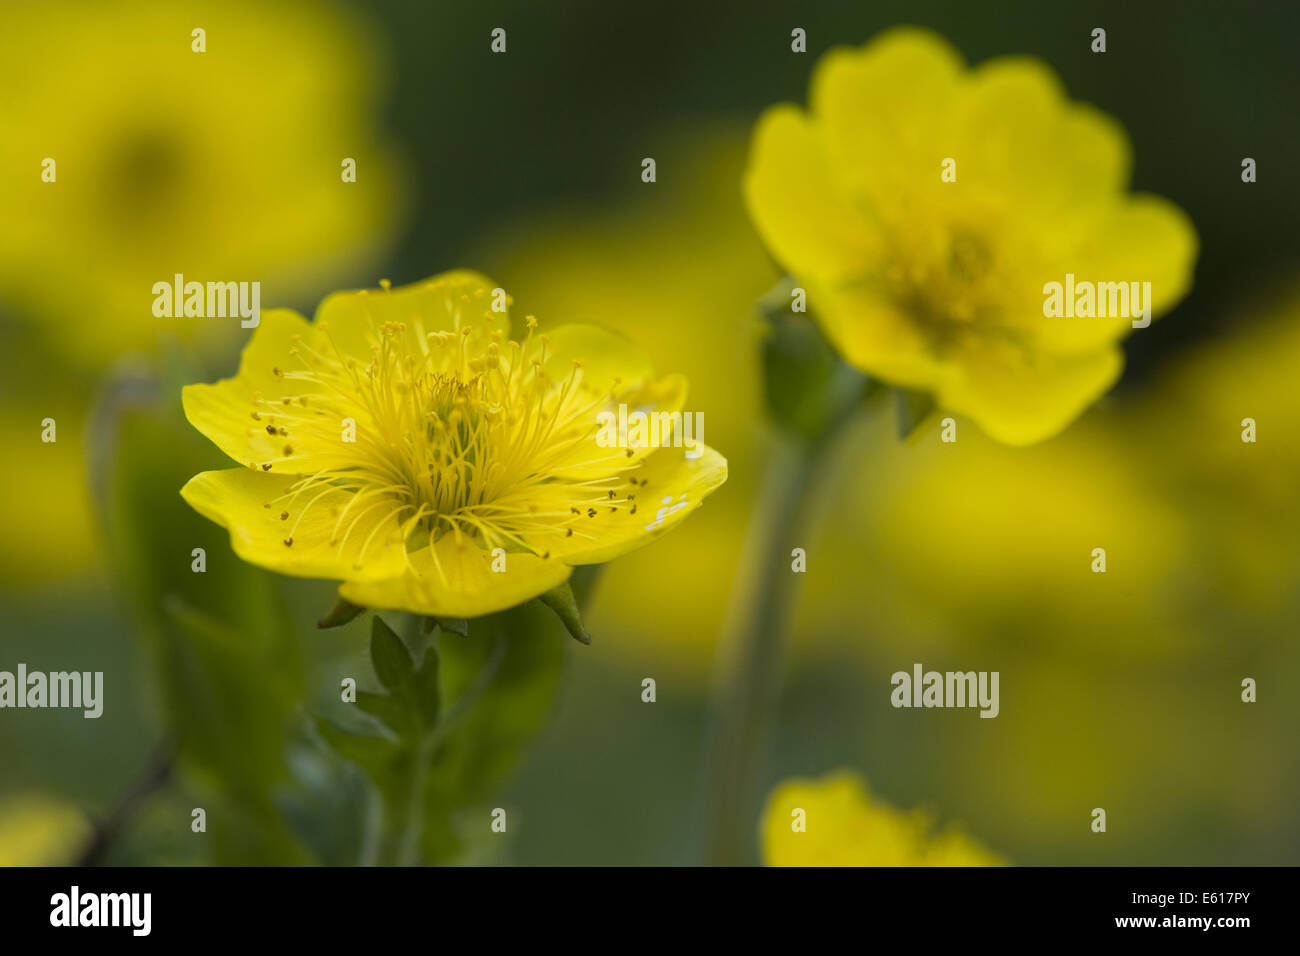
(948, 283)
(446, 439)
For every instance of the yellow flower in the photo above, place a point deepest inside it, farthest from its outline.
(221, 165)
(405, 444)
(843, 827)
(940, 285)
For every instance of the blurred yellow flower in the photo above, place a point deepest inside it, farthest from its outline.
(128, 157)
(834, 822)
(45, 504)
(407, 445)
(39, 831)
(924, 207)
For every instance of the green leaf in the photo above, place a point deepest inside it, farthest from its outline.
(427, 687)
(226, 658)
(390, 710)
(415, 694)
(463, 718)
(392, 661)
(372, 753)
(500, 687)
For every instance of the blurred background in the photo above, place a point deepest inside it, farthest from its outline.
(1119, 690)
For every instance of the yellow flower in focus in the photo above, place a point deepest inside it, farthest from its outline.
(939, 286)
(844, 827)
(407, 445)
(38, 831)
(223, 165)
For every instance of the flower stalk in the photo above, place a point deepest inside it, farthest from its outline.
(811, 397)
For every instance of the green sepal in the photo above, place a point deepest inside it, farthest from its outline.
(341, 613)
(456, 625)
(560, 600)
(808, 389)
(913, 409)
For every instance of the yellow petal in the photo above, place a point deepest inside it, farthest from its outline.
(797, 206)
(1020, 402)
(669, 487)
(842, 825)
(454, 578)
(224, 411)
(877, 336)
(577, 453)
(361, 542)
(884, 109)
(1152, 240)
(1019, 136)
(449, 302)
(1144, 239)
(610, 360)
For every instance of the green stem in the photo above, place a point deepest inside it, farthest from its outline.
(407, 850)
(154, 778)
(753, 640)
(408, 845)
